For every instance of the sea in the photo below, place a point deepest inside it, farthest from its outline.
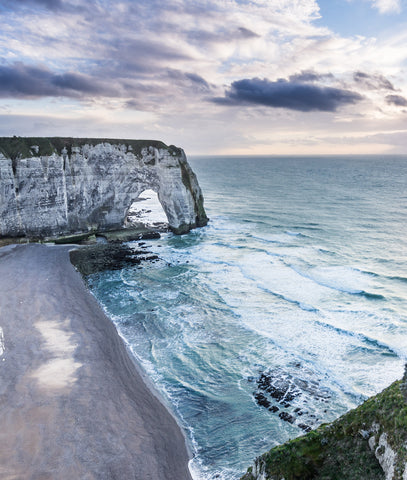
(287, 310)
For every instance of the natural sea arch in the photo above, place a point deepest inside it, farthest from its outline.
(147, 209)
(51, 187)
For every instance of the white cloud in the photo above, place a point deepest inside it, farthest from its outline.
(387, 6)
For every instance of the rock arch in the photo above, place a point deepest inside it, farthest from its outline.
(88, 185)
(147, 210)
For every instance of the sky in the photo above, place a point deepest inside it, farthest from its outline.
(232, 77)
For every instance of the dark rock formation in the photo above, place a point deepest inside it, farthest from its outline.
(97, 258)
(280, 391)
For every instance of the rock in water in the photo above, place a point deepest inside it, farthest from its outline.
(60, 186)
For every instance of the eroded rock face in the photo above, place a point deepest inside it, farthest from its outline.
(91, 187)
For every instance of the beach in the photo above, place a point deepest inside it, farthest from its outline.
(73, 403)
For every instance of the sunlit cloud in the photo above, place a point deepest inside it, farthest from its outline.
(387, 6)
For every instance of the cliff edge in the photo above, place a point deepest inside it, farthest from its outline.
(50, 187)
(369, 442)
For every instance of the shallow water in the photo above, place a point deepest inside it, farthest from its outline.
(296, 293)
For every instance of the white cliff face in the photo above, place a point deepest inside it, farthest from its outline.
(386, 456)
(93, 188)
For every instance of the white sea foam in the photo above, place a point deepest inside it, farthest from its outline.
(2, 346)
(342, 278)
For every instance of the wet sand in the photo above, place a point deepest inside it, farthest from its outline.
(72, 403)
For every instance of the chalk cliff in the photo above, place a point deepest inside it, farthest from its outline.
(369, 442)
(51, 187)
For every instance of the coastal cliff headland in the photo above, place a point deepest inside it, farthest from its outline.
(367, 443)
(53, 187)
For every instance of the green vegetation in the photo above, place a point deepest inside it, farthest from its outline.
(340, 450)
(21, 147)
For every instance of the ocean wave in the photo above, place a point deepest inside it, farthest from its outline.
(395, 278)
(361, 337)
(278, 238)
(282, 296)
(297, 234)
(326, 251)
(340, 278)
(398, 279)
(372, 296)
(199, 471)
(301, 305)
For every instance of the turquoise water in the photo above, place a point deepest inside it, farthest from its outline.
(299, 281)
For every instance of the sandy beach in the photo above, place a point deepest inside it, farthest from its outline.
(73, 404)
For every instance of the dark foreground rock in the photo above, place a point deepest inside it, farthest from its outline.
(367, 443)
(97, 258)
(282, 393)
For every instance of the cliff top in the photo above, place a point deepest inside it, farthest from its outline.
(26, 147)
(354, 446)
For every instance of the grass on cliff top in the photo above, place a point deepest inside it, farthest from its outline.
(20, 147)
(338, 451)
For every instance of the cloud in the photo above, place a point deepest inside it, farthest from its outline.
(52, 5)
(387, 6)
(246, 33)
(189, 78)
(309, 76)
(373, 81)
(137, 51)
(397, 100)
(286, 94)
(119, 60)
(22, 81)
(222, 35)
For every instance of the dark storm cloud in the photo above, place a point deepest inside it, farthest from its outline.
(285, 94)
(309, 76)
(22, 81)
(373, 82)
(77, 83)
(397, 100)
